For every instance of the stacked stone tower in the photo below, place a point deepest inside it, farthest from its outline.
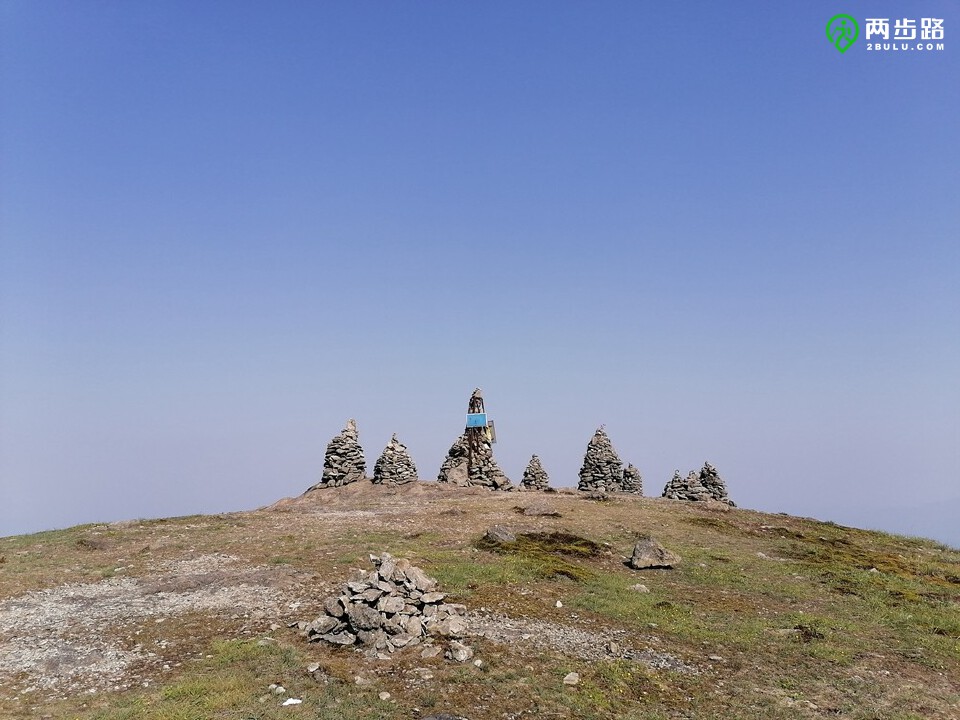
(343, 462)
(714, 484)
(602, 469)
(535, 477)
(632, 480)
(394, 466)
(702, 486)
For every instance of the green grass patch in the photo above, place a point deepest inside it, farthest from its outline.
(544, 552)
(234, 684)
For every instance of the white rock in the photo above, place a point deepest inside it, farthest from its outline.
(291, 701)
(459, 652)
(571, 679)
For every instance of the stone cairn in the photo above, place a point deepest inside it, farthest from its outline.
(632, 480)
(602, 469)
(343, 462)
(702, 486)
(469, 461)
(714, 484)
(394, 606)
(394, 466)
(535, 477)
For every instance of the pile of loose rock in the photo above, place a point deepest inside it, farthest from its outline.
(702, 486)
(343, 462)
(602, 469)
(535, 477)
(466, 469)
(395, 606)
(632, 480)
(394, 466)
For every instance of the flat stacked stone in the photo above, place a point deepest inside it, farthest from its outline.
(394, 466)
(394, 606)
(535, 477)
(698, 487)
(632, 480)
(602, 469)
(343, 462)
(481, 470)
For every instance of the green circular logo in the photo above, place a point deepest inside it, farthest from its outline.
(842, 31)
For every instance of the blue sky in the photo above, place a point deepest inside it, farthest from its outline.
(225, 228)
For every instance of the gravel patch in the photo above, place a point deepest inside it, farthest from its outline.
(573, 641)
(63, 638)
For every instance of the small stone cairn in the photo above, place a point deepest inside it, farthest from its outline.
(632, 480)
(702, 486)
(394, 606)
(714, 484)
(689, 488)
(394, 466)
(343, 462)
(535, 477)
(602, 470)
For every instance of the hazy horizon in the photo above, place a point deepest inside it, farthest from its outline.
(227, 228)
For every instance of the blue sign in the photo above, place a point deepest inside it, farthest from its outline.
(476, 420)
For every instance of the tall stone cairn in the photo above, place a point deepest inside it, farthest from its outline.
(602, 469)
(343, 462)
(632, 480)
(535, 477)
(702, 486)
(394, 466)
(470, 460)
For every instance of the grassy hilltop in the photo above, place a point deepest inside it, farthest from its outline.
(768, 616)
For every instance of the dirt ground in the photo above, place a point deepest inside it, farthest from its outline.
(747, 621)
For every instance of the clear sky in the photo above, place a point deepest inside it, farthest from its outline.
(227, 227)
